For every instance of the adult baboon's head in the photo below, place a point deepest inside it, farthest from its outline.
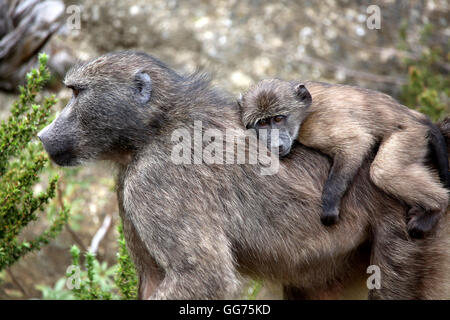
(113, 109)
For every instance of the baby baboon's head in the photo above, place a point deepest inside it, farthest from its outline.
(113, 109)
(276, 104)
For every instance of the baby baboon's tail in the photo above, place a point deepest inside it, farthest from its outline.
(440, 144)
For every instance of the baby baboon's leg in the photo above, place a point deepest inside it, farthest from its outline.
(399, 169)
(346, 163)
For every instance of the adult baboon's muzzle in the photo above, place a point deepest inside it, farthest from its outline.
(58, 143)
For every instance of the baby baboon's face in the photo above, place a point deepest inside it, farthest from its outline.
(275, 105)
(285, 136)
(105, 116)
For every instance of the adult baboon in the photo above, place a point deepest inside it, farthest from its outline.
(192, 228)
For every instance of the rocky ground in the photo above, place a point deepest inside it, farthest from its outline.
(238, 42)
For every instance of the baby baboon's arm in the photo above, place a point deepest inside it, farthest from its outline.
(346, 162)
(342, 172)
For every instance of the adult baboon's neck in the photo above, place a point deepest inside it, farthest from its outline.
(194, 99)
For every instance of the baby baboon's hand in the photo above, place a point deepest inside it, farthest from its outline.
(330, 215)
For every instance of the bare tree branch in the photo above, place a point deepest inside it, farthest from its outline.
(100, 234)
(69, 229)
(17, 282)
(354, 73)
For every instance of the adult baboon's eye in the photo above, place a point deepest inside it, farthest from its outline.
(75, 92)
(263, 122)
(278, 119)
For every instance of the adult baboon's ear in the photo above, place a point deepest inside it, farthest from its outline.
(239, 100)
(143, 87)
(303, 94)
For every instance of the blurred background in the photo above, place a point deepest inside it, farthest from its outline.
(404, 53)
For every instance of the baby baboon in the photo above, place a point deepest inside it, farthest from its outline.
(346, 123)
(191, 229)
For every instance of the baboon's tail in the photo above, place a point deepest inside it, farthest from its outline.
(440, 144)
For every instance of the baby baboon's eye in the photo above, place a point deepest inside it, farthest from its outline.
(263, 122)
(278, 119)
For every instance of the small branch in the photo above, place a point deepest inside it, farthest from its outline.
(100, 234)
(355, 73)
(69, 229)
(17, 282)
(77, 239)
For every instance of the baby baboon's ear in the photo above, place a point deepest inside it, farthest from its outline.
(303, 94)
(143, 87)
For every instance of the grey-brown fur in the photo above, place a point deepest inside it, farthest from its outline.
(192, 229)
(346, 123)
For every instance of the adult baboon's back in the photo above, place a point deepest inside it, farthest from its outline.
(191, 228)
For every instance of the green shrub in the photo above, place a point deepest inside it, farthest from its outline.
(22, 159)
(97, 281)
(126, 279)
(94, 283)
(428, 85)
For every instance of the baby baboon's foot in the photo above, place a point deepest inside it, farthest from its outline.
(330, 216)
(422, 222)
